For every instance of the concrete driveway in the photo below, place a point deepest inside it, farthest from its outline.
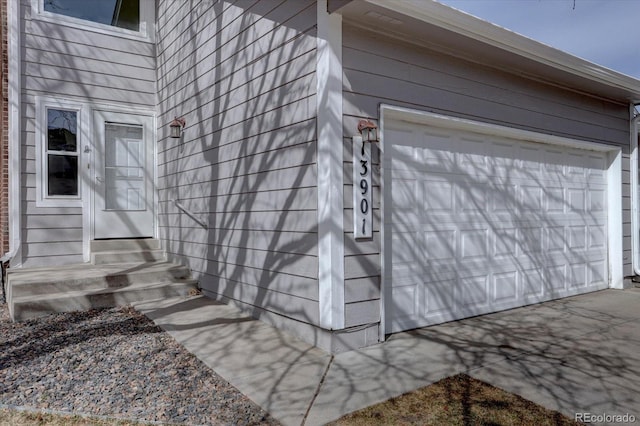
(575, 355)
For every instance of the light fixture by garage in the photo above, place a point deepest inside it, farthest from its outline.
(176, 127)
(368, 130)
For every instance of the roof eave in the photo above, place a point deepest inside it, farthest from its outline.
(445, 17)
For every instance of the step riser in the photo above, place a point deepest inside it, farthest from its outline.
(126, 245)
(108, 258)
(23, 310)
(22, 283)
(126, 271)
(96, 283)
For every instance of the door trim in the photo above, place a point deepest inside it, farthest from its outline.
(395, 114)
(88, 184)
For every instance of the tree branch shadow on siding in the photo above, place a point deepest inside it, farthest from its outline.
(259, 251)
(247, 226)
(242, 75)
(96, 70)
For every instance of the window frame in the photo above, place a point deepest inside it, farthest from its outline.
(43, 199)
(145, 32)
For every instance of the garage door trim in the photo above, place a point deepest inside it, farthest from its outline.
(394, 114)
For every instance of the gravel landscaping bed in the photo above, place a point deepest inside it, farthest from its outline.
(117, 363)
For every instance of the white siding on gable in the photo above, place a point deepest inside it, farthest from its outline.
(383, 70)
(65, 62)
(242, 74)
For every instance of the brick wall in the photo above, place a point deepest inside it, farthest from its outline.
(4, 133)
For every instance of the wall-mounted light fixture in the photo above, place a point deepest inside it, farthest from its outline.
(368, 130)
(176, 127)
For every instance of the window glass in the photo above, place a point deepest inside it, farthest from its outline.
(62, 152)
(116, 13)
(62, 128)
(63, 175)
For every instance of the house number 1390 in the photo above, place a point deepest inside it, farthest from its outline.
(362, 208)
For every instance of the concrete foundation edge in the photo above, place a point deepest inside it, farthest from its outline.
(331, 341)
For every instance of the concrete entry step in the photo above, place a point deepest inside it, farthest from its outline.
(125, 244)
(104, 252)
(26, 307)
(121, 272)
(46, 281)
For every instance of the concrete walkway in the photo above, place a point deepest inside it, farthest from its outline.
(579, 354)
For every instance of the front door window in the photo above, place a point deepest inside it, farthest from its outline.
(124, 167)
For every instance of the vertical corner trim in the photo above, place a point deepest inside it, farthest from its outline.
(634, 132)
(330, 173)
(614, 220)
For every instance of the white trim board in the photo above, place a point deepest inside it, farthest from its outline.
(635, 203)
(330, 173)
(145, 33)
(390, 113)
(42, 105)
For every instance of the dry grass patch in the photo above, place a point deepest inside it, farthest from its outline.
(456, 400)
(24, 418)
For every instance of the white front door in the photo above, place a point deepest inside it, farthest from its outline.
(123, 205)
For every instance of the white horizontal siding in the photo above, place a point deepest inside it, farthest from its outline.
(61, 61)
(242, 74)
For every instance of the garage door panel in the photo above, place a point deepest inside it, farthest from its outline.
(496, 223)
(438, 196)
(406, 245)
(530, 241)
(440, 244)
(597, 237)
(505, 287)
(471, 196)
(532, 283)
(576, 198)
(439, 298)
(596, 272)
(577, 275)
(504, 198)
(474, 244)
(554, 200)
(473, 292)
(555, 239)
(530, 200)
(405, 306)
(505, 242)
(438, 271)
(404, 193)
(577, 238)
(556, 279)
(597, 200)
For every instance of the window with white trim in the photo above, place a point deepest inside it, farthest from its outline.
(127, 18)
(59, 137)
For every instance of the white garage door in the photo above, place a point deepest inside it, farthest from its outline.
(477, 224)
